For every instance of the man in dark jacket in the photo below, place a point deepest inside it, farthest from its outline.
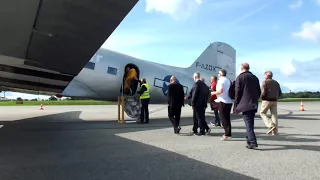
(175, 99)
(195, 120)
(199, 100)
(247, 94)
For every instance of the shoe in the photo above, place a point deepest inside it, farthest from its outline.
(200, 134)
(208, 131)
(177, 130)
(251, 146)
(225, 138)
(270, 129)
(274, 133)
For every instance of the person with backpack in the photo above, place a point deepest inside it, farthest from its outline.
(224, 103)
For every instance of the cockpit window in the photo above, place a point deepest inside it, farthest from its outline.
(90, 65)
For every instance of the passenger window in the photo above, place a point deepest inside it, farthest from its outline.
(90, 65)
(112, 70)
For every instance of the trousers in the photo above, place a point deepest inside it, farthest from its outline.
(248, 118)
(224, 114)
(174, 113)
(144, 115)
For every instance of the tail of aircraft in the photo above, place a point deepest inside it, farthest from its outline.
(216, 56)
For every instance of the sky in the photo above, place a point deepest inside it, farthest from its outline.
(278, 35)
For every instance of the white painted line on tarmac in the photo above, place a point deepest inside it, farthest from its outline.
(1, 126)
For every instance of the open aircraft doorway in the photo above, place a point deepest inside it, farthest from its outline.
(130, 84)
(129, 88)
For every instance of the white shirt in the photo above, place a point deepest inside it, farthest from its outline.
(224, 84)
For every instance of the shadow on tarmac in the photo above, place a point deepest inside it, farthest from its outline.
(51, 148)
(63, 146)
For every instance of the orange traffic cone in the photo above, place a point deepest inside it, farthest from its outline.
(41, 107)
(301, 106)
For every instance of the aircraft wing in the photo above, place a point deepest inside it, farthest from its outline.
(56, 37)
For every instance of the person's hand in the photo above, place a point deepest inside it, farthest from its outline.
(234, 111)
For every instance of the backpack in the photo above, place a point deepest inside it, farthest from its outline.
(232, 89)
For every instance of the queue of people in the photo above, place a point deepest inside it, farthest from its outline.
(247, 92)
(243, 95)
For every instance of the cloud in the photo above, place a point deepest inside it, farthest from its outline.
(288, 69)
(310, 31)
(295, 5)
(177, 9)
(296, 75)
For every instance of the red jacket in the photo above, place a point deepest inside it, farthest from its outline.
(213, 87)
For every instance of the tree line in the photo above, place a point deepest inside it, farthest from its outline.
(51, 98)
(305, 94)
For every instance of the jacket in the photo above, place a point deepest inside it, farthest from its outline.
(175, 96)
(213, 88)
(200, 94)
(247, 92)
(271, 90)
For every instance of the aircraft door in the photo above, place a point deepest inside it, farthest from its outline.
(132, 106)
(130, 85)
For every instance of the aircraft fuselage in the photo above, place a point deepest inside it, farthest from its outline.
(102, 77)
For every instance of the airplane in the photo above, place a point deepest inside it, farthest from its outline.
(102, 77)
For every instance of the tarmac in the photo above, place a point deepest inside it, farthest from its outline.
(85, 142)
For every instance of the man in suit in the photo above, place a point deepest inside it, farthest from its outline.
(195, 120)
(175, 99)
(205, 124)
(247, 94)
(199, 100)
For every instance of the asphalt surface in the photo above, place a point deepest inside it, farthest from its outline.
(84, 143)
